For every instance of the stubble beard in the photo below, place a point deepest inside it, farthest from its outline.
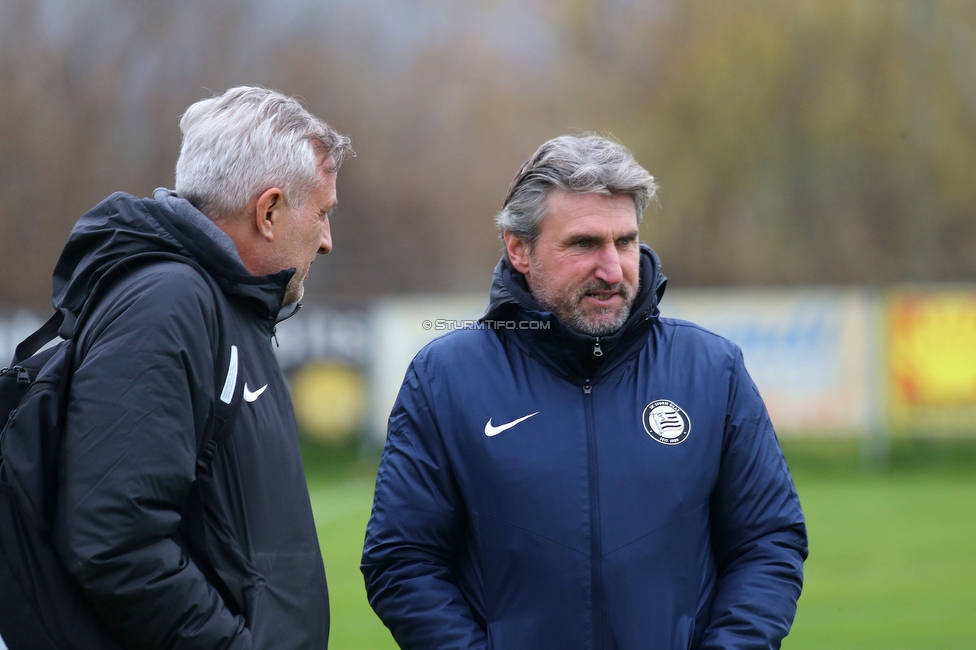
(295, 289)
(570, 310)
(293, 294)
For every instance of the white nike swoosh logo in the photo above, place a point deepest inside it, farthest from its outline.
(250, 396)
(494, 431)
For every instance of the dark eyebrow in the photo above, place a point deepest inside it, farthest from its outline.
(579, 238)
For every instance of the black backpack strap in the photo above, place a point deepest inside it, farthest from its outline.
(64, 323)
(221, 432)
(41, 337)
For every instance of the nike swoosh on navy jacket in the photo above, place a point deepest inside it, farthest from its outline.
(646, 505)
(231, 560)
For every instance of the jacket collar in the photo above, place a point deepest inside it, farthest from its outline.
(566, 351)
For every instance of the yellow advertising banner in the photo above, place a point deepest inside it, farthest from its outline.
(931, 357)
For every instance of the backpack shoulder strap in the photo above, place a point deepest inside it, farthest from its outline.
(64, 323)
(41, 337)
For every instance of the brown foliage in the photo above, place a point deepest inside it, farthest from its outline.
(828, 142)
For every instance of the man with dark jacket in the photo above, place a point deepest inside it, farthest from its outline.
(228, 558)
(578, 471)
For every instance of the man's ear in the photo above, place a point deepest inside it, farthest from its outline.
(518, 252)
(267, 211)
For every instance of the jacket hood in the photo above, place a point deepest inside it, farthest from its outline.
(122, 226)
(566, 350)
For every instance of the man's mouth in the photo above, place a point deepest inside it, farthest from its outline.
(603, 299)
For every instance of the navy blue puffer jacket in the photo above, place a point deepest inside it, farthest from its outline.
(534, 496)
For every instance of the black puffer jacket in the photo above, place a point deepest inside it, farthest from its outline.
(227, 561)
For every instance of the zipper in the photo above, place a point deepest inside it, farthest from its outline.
(279, 318)
(596, 542)
(23, 377)
(597, 352)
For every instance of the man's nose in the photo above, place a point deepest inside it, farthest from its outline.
(325, 246)
(608, 268)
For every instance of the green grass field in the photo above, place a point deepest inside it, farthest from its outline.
(892, 551)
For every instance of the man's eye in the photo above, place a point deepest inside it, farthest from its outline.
(583, 244)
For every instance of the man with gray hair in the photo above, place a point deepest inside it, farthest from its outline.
(578, 471)
(183, 515)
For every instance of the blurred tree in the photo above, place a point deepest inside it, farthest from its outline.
(794, 142)
(88, 110)
(828, 142)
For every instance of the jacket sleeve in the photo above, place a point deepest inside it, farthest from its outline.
(758, 531)
(414, 531)
(140, 397)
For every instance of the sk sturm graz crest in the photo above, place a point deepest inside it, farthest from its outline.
(666, 422)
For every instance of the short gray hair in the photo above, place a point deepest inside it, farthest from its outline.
(587, 164)
(247, 140)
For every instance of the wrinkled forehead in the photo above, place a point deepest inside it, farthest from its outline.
(591, 209)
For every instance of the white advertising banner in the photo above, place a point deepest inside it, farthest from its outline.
(400, 328)
(811, 352)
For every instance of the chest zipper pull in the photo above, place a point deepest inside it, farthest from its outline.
(597, 352)
(587, 387)
(274, 336)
